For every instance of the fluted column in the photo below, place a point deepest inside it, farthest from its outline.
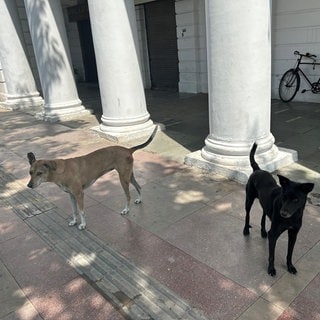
(51, 48)
(239, 85)
(114, 33)
(21, 91)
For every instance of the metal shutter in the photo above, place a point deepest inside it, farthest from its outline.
(162, 44)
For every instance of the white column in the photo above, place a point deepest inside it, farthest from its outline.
(239, 85)
(114, 33)
(21, 91)
(51, 48)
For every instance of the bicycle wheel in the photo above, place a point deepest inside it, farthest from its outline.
(289, 85)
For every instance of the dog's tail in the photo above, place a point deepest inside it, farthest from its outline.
(140, 146)
(253, 163)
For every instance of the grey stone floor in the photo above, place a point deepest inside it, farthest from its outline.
(186, 235)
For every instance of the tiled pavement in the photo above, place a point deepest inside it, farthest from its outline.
(181, 252)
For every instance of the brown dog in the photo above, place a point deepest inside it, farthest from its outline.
(73, 175)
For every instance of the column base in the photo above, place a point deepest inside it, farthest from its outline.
(241, 173)
(126, 134)
(63, 111)
(29, 101)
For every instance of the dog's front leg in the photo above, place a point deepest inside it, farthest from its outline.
(292, 237)
(79, 199)
(73, 221)
(273, 236)
(77, 207)
(83, 223)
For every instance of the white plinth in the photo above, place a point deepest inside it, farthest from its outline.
(127, 134)
(241, 174)
(63, 111)
(23, 102)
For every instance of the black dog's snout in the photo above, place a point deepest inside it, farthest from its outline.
(30, 185)
(285, 214)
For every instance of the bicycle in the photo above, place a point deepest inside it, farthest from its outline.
(290, 81)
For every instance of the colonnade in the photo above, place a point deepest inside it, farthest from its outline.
(239, 76)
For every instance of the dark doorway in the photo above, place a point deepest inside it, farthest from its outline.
(88, 56)
(162, 44)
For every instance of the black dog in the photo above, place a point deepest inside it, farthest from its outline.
(283, 205)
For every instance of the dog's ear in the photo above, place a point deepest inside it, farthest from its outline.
(31, 157)
(283, 180)
(55, 165)
(306, 187)
(50, 164)
(58, 165)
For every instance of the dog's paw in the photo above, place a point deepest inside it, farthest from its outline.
(246, 230)
(137, 201)
(292, 269)
(81, 226)
(264, 234)
(272, 271)
(125, 211)
(72, 223)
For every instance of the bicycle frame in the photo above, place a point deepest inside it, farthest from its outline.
(304, 75)
(298, 69)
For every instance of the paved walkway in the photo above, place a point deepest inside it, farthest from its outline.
(178, 255)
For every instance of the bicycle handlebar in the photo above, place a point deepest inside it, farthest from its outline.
(307, 55)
